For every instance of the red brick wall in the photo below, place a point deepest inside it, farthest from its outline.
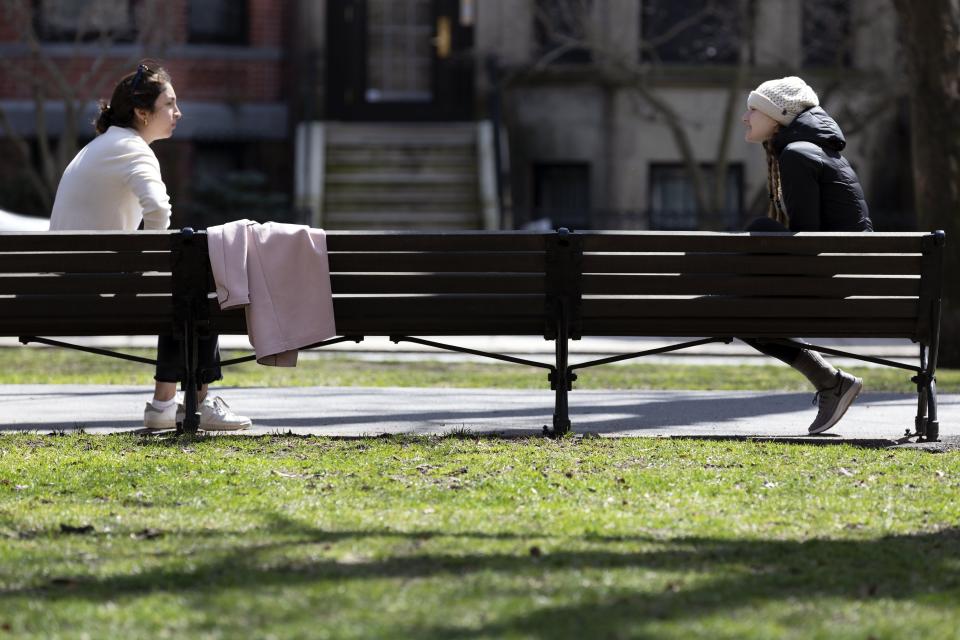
(225, 79)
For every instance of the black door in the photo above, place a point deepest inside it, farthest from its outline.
(400, 59)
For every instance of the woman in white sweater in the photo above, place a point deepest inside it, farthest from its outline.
(115, 183)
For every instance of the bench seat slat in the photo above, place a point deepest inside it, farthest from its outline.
(752, 264)
(106, 262)
(800, 243)
(681, 284)
(739, 307)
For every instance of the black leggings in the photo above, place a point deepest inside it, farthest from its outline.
(170, 360)
(781, 352)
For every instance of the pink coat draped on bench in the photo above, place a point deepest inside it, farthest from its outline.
(280, 274)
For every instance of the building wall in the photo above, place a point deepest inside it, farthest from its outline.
(568, 113)
(234, 94)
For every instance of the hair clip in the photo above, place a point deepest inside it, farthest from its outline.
(137, 77)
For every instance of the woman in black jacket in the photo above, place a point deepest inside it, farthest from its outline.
(812, 188)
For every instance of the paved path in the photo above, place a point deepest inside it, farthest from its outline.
(354, 411)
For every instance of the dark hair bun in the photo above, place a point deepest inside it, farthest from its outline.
(105, 119)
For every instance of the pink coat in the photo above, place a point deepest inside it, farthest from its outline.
(281, 275)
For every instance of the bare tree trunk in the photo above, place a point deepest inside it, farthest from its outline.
(714, 219)
(931, 42)
(682, 140)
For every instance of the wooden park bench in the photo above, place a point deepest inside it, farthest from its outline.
(562, 286)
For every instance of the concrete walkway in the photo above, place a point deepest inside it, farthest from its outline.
(353, 411)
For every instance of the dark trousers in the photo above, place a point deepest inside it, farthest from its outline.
(170, 360)
(781, 352)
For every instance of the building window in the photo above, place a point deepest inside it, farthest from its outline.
(218, 22)
(673, 202)
(690, 31)
(230, 176)
(561, 194)
(827, 35)
(84, 20)
(399, 53)
(560, 30)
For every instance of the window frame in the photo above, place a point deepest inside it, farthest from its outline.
(581, 215)
(672, 54)
(238, 37)
(53, 34)
(732, 218)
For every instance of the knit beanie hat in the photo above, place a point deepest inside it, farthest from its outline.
(783, 99)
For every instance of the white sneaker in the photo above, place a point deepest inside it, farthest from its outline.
(215, 415)
(158, 420)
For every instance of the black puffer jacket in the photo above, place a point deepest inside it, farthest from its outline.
(821, 190)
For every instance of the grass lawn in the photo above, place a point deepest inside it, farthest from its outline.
(60, 366)
(243, 537)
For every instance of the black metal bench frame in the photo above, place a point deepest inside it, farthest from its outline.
(562, 318)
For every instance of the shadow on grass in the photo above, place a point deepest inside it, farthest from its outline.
(680, 578)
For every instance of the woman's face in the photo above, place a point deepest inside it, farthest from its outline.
(760, 126)
(161, 122)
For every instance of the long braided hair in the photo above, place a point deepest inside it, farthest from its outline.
(776, 209)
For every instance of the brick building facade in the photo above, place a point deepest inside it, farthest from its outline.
(229, 63)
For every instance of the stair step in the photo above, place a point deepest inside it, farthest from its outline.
(399, 220)
(442, 134)
(390, 196)
(384, 154)
(463, 178)
(401, 176)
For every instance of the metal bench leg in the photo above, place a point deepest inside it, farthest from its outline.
(191, 419)
(927, 425)
(561, 378)
(933, 425)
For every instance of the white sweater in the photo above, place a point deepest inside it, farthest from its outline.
(112, 183)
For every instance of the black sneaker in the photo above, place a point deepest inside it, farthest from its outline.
(834, 401)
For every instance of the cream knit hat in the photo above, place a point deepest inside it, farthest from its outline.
(783, 99)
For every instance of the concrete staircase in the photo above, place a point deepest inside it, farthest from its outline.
(403, 176)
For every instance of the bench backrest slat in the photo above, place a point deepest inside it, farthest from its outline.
(100, 262)
(68, 241)
(85, 283)
(97, 283)
(462, 283)
(900, 264)
(400, 283)
(452, 283)
(762, 285)
(706, 241)
(374, 241)
(805, 285)
(438, 262)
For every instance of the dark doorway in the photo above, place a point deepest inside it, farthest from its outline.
(400, 59)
